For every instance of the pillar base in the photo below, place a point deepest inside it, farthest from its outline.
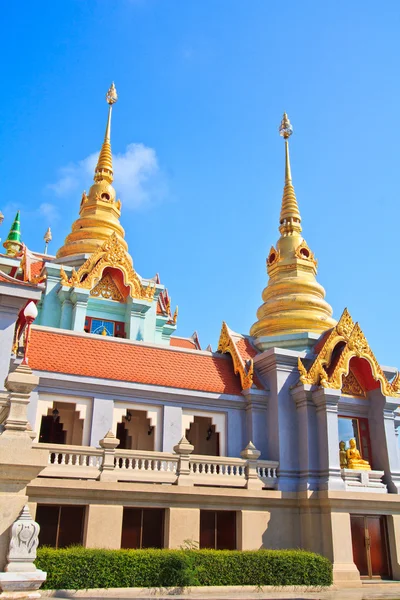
(21, 584)
(346, 575)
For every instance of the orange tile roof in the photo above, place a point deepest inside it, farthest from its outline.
(178, 342)
(86, 356)
(8, 279)
(36, 268)
(245, 349)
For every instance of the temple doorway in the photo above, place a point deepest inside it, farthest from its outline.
(135, 431)
(62, 425)
(203, 436)
(370, 546)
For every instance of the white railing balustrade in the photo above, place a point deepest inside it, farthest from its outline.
(266, 470)
(136, 465)
(109, 463)
(82, 462)
(217, 471)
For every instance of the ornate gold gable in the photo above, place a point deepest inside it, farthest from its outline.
(111, 254)
(351, 386)
(354, 344)
(107, 289)
(245, 370)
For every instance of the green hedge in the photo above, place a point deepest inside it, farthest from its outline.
(83, 568)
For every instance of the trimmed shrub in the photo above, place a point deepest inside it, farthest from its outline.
(84, 568)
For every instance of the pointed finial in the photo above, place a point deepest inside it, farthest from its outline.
(290, 218)
(285, 128)
(13, 243)
(47, 238)
(104, 170)
(112, 95)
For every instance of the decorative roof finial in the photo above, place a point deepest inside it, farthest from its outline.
(104, 170)
(47, 238)
(290, 218)
(112, 95)
(13, 243)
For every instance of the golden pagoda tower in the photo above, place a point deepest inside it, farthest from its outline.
(294, 302)
(100, 211)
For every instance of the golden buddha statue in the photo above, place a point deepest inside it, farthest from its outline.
(354, 460)
(343, 455)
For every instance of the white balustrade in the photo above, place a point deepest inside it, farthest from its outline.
(137, 465)
(217, 470)
(267, 472)
(85, 462)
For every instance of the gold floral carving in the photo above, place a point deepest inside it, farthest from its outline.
(304, 253)
(111, 254)
(107, 289)
(351, 386)
(273, 257)
(245, 369)
(354, 345)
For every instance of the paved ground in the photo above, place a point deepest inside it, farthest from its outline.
(368, 591)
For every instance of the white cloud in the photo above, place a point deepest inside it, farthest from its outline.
(49, 212)
(138, 179)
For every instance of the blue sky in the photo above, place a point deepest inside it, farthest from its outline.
(202, 86)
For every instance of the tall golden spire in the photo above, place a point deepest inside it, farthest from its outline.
(294, 302)
(290, 215)
(104, 168)
(100, 210)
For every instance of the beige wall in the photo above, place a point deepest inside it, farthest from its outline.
(181, 525)
(138, 431)
(251, 526)
(393, 526)
(103, 526)
(198, 434)
(338, 547)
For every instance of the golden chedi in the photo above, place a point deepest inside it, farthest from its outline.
(294, 302)
(100, 210)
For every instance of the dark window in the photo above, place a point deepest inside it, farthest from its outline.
(218, 529)
(143, 528)
(60, 526)
(51, 430)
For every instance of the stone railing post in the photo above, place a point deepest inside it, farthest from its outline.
(184, 450)
(109, 444)
(20, 384)
(19, 462)
(21, 578)
(251, 455)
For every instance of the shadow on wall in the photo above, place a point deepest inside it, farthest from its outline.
(283, 530)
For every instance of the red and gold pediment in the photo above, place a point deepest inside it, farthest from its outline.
(112, 254)
(345, 361)
(245, 369)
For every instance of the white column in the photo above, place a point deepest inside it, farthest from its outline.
(308, 437)
(326, 401)
(102, 420)
(172, 427)
(385, 454)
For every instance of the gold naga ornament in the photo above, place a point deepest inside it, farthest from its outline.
(111, 254)
(245, 369)
(293, 299)
(99, 210)
(353, 343)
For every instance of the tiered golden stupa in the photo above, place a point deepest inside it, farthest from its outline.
(293, 299)
(100, 211)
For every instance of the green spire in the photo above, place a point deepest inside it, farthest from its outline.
(13, 243)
